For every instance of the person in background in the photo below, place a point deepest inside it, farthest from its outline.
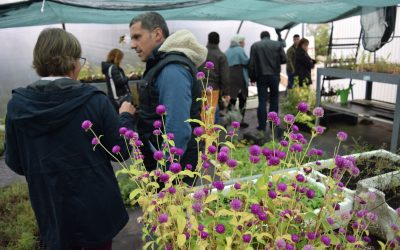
(218, 80)
(72, 189)
(239, 76)
(117, 83)
(266, 57)
(291, 60)
(303, 64)
(170, 80)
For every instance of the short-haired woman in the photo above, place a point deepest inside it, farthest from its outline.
(117, 82)
(303, 64)
(72, 189)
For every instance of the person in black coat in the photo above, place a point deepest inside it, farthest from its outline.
(72, 189)
(117, 83)
(303, 64)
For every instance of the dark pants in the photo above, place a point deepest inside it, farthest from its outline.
(242, 103)
(263, 83)
(106, 246)
(290, 80)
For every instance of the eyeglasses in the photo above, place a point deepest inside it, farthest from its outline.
(82, 61)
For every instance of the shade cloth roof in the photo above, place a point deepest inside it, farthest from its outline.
(274, 13)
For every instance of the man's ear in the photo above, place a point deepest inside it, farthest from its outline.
(159, 36)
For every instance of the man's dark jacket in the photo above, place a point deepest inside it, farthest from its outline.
(219, 76)
(266, 57)
(72, 188)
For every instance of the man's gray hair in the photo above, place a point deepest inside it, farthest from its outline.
(237, 38)
(151, 21)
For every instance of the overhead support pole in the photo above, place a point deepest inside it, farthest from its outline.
(240, 26)
(63, 26)
(287, 33)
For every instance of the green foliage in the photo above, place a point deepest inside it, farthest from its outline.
(321, 36)
(2, 139)
(297, 95)
(126, 185)
(18, 228)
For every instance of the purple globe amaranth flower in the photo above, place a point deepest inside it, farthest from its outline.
(204, 157)
(224, 149)
(284, 143)
(209, 65)
(255, 150)
(157, 124)
(197, 207)
(398, 211)
(130, 134)
(274, 118)
(200, 75)
(289, 246)
(289, 119)
(350, 238)
(255, 208)
(95, 141)
(262, 216)
(160, 109)
(318, 112)
(273, 161)
(232, 163)
(164, 177)
(86, 124)
(162, 218)
(170, 136)
(187, 235)
(116, 149)
(280, 154)
(200, 227)
(206, 165)
(300, 178)
(371, 216)
(354, 171)
(342, 136)
(138, 143)
(235, 124)
(272, 194)
(175, 168)
(302, 107)
(281, 187)
(254, 159)
(308, 247)
(198, 131)
(203, 235)
(220, 228)
(310, 193)
(319, 130)
(158, 155)
(296, 148)
(156, 132)
(212, 149)
(199, 194)
(236, 204)
(168, 247)
(267, 152)
(189, 166)
(311, 235)
(246, 238)
(179, 152)
(295, 238)
(366, 239)
(209, 90)
(237, 185)
(219, 185)
(222, 157)
(330, 221)
(280, 244)
(295, 128)
(122, 130)
(172, 190)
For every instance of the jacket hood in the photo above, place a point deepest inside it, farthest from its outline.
(104, 67)
(37, 111)
(185, 42)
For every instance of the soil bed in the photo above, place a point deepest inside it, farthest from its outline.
(369, 167)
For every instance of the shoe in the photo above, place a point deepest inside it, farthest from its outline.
(244, 125)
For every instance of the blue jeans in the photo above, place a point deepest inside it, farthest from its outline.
(290, 80)
(263, 83)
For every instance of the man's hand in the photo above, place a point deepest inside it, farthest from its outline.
(127, 107)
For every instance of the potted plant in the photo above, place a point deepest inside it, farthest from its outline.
(272, 211)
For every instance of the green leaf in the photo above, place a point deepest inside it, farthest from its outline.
(148, 244)
(220, 127)
(181, 240)
(196, 121)
(211, 197)
(228, 243)
(310, 215)
(224, 212)
(229, 144)
(134, 193)
(181, 221)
